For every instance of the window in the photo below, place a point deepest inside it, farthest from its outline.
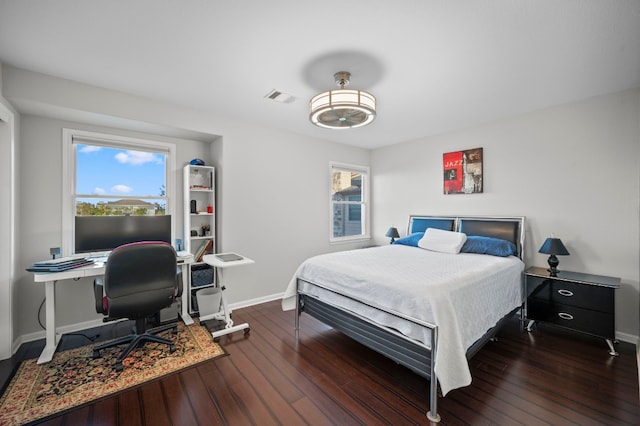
(118, 181)
(349, 202)
(108, 175)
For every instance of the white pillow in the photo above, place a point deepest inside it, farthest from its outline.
(443, 241)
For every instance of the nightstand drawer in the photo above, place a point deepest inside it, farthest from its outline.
(580, 319)
(582, 295)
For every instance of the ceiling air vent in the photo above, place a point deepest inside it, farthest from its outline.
(281, 97)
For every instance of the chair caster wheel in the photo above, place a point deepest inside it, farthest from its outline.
(247, 331)
(118, 367)
(95, 355)
(172, 349)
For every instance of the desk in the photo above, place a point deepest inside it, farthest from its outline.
(225, 314)
(50, 279)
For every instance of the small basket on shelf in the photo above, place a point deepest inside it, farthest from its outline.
(201, 275)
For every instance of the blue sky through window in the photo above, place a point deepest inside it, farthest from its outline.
(116, 172)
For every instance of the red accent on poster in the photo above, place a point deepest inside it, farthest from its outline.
(452, 166)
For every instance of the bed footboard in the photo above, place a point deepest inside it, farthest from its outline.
(389, 343)
(393, 345)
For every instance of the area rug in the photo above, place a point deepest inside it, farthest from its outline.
(73, 377)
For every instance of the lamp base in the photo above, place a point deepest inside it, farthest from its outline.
(553, 265)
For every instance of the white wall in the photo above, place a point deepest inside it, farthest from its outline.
(274, 198)
(272, 186)
(572, 170)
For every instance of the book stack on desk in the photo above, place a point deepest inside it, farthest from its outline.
(59, 265)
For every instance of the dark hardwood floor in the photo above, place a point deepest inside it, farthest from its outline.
(324, 378)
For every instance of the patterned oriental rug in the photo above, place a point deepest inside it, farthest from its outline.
(73, 377)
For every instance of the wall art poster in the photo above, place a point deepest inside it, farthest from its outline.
(462, 171)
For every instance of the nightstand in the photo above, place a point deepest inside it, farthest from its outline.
(573, 300)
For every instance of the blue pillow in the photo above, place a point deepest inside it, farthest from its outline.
(410, 240)
(488, 245)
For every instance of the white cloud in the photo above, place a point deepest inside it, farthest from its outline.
(99, 191)
(136, 157)
(90, 148)
(122, 189)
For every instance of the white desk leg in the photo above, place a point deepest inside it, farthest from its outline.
(50, 332)
(186, 294)
(229, 327)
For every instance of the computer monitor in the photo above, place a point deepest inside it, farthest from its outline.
(104, 233)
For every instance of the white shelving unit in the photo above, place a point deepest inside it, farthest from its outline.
(199, 226)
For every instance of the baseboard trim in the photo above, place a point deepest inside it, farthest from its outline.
(256, 301)
(71, 328)
(629, 338)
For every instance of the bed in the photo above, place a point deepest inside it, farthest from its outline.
(427, 309)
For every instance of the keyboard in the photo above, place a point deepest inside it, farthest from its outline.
(98, 256)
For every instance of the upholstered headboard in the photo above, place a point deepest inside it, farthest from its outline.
(506, 228)
(421, 223)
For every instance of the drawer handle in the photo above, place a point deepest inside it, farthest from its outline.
(565, 316)
(563, 292)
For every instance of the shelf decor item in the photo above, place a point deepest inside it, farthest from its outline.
(197, 179)
(553, 247)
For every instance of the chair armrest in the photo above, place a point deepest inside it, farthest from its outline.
(98, 292)
(179, 285)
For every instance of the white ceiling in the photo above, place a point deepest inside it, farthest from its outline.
(434, 66)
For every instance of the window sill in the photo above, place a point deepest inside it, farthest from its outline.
(350, 240)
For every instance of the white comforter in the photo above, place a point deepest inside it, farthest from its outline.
(463, 294)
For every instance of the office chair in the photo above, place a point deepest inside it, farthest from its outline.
(140, 279)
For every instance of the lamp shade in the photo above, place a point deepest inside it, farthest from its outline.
(392, 233)
(553, 246)
(343, 109)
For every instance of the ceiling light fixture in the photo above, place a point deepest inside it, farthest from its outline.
(342, 108)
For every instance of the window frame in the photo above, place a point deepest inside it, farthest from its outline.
(364, 203)
(71, 137)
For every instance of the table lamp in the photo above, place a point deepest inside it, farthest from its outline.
(393, 234)
(553, 246)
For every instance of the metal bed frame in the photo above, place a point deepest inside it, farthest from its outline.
(406, 351)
